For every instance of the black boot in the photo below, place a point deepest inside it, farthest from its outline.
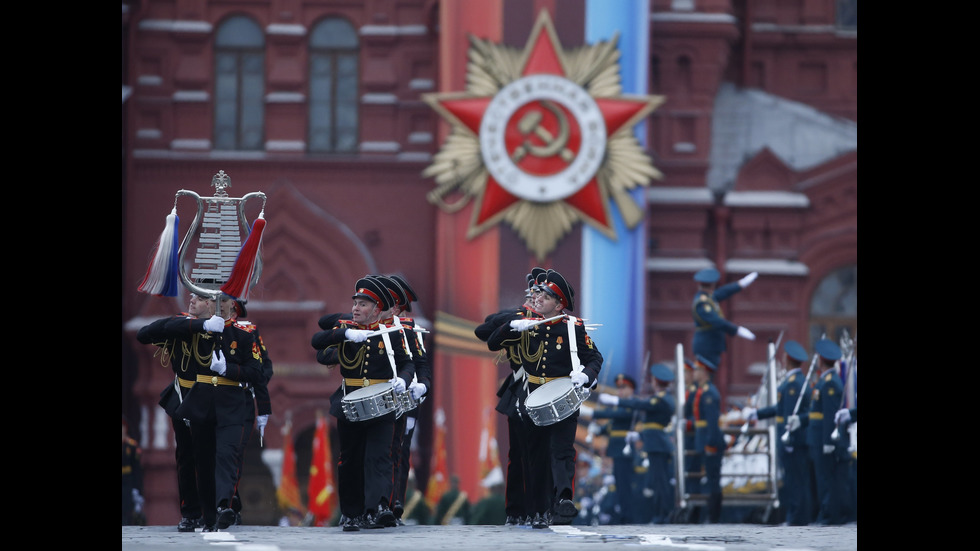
(714, 508)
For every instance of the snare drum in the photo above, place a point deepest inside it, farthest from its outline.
(554, 401)
(369, 402)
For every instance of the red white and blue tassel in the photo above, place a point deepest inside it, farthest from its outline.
(161, 275)
(239, 282)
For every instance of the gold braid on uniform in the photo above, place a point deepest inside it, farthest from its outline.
(202, 361)
(525, 342)
(412, 502)
(356, 362)
(454, 508)
(164, 352)
(501, 356)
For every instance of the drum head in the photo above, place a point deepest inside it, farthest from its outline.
(368, 391)
(549, 392)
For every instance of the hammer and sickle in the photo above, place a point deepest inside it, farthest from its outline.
(530, 124)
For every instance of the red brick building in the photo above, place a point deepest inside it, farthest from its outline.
(318, 105)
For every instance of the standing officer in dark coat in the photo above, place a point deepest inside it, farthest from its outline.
(546, 354)
(366, 472)
(622, 419)
(708, 438)
(829, 456)
(794, 493)
(511, 392)
(658, 448)
(710, 326)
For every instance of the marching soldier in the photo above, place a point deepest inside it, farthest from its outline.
(511, 393)
(710, 325)
(366, 469)
(829, 456)
(708, 438)
(403, 295)
(256, 398)
(622, 418)
(214, 358)
(132, 478)
(794, 493)
(558, 348)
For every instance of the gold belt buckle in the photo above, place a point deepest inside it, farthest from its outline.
(214, 380)
(367, 382)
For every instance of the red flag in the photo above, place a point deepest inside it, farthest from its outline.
(439, 479)
(288, 491)
(320, 491)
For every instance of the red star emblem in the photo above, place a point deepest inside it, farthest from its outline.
(542, 137)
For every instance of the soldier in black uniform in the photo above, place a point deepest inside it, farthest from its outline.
(181, 355)
(256, 398)
(222, 356)
(546, 354)
(511, 393)
(366, 483)
(404, 296)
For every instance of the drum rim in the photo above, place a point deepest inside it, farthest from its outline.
(374, 390)
(564, 381)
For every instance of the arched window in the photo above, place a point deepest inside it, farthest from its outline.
(239, 85)
(833, 307)
(333, 87)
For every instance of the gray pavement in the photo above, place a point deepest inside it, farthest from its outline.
(697, 537)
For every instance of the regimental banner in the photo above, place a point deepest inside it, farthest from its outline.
(542, 140)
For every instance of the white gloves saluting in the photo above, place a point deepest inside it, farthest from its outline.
(521, 325)
(745, 333)
(356, 335)
(214, 324)
(608, 399)
(750, 414)
(747, 280)
(218, 364)
(398, 384)
(417, 389)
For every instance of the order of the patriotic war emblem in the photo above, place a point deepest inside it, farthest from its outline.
(541, 139)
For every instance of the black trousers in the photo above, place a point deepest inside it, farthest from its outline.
(551, 462)
(190, 502)
(366, 467)
(516, 502)
(401, 452)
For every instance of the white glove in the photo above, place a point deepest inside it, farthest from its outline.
(828, 448)
(842, 416)
(218, 364)
(632, 436)
(262, 421)
(792, 422)
(521, 325)
(585, 411)
(747, 280)
(608, 399)
(356, 335)
(750, 414)
(214, 324)
(579, 378)
(647, 492)
(417, 390)
(137, 501)
(398, 384)
(745, 333)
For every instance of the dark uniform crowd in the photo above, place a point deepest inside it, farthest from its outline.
(219, 396)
